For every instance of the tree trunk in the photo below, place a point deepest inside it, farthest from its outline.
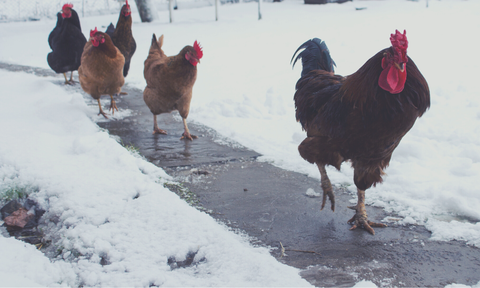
(259, 9)
(147, 10)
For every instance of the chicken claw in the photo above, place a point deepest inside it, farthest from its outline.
(159, 131)
(113, 105)
(186, 135)
(69, 82)
(100, 111)
(328, 191)
(360, 219)
(326, 187)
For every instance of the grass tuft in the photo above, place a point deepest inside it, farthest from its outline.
(13, 193)
(186, 194)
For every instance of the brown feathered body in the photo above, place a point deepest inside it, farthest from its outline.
(123, 38)
(170, 80)
(352, 118)
(101, 69)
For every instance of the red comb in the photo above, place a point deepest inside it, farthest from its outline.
(67, 5)
(126, 11)
(198, 49)
(93, 32)
(399, 40)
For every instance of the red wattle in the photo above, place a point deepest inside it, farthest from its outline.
(190, 59)
(392, 80)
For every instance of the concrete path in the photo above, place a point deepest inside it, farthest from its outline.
(271, 206)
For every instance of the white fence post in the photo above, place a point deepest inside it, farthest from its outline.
(170, 9)
(216, 9)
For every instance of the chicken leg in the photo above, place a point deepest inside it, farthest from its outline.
(360, 219)
(101, 110)
(186, 134)
(70, 82)
(113, 105)
(326, 187)
(157, 130)
(66, 79)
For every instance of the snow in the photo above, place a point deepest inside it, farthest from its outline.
(244, 91)
(104, 202)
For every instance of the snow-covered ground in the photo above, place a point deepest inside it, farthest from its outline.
(245, 86)
(105, 203)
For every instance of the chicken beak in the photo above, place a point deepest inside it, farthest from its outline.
(400, 67)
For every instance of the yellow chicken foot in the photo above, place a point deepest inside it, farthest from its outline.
(157, 130)
(71, 81)
(360, 219)
(113, 105)
(186, 134)
(66, 79)
(326, 187)
(100, 112)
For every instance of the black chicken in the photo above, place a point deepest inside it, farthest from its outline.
(67, 42)
(122, 35)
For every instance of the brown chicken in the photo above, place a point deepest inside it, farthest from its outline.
(359, 118)
(122, 36)
(170, 82)
(101, 70)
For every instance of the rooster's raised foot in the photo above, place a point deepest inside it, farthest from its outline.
(326, 187)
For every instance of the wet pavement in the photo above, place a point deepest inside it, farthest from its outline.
(271, 206)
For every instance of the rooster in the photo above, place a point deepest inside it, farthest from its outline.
(170, 82)
(359, 118)
(101, 71)
(67, 42)
(122, 36)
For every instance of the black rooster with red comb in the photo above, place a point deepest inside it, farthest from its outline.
(360, 118)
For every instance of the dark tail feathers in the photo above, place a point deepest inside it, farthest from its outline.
(315, 56)
(110, 30)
